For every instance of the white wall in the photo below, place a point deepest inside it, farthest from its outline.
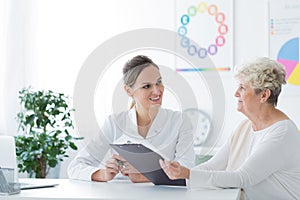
(67, 31)
(251, 29)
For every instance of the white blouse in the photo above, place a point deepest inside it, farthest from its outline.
(170, 134)
(265, 163)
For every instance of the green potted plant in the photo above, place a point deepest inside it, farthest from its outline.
(45, 121)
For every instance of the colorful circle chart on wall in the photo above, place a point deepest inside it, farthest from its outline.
(220, 40)
(216, 36)
(288, 55)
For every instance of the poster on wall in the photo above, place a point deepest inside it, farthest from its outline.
(284, 34)
(206, 29)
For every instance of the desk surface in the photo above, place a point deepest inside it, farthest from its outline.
(117, 189)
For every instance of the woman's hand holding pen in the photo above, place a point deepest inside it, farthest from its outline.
(120, 162)
(128, 170)
(124, 167)
(174, 170)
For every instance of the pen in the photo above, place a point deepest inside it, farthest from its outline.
(121, 163)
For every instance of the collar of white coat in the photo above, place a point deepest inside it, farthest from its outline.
(157, 124)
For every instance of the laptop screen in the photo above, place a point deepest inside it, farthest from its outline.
(8, 154)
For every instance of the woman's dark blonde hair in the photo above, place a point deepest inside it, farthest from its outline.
(133, 68)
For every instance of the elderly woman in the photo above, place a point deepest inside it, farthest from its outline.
(262, 157)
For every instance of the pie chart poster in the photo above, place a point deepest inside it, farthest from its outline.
(284, 33)
(206, 30)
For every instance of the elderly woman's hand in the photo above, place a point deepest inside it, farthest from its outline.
(174, 170)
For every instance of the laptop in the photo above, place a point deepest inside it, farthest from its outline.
(146, 161)
(8, 160)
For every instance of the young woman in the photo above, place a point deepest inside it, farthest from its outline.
(146, 122)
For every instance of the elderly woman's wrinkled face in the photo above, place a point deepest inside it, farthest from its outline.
(248, 101)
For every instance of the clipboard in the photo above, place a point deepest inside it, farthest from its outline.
(146, 162)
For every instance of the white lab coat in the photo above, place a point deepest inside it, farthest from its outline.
(170, 134)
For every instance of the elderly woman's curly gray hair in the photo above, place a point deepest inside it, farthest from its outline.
(263, 73)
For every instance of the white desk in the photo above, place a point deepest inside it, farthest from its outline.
(117, 189)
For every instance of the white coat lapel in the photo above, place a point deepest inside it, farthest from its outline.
(158, 123)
